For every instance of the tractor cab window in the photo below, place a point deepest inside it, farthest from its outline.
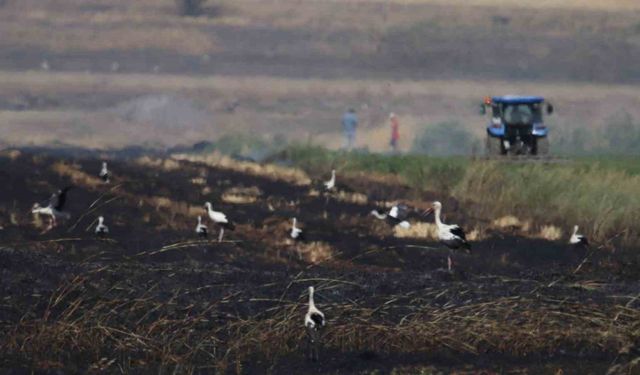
(520, 113)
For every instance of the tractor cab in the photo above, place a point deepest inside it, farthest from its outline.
(516, 125)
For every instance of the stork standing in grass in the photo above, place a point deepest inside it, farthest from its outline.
(101, 229)
(578, 239)
(104, 173)
(220, 219)
(396, 216)
(328, 187)
(295, 233)
(314, 323)
(201, 229)
(331, 184)
(54, 209)
(452, 236)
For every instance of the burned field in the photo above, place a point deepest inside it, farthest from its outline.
(153, 296)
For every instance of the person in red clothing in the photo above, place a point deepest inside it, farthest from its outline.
(395, 131)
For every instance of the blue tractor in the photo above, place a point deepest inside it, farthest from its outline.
(516, 126)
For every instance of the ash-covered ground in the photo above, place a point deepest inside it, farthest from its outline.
(152, 296)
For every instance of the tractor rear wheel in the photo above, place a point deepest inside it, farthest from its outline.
(542, 146)
(493, 146)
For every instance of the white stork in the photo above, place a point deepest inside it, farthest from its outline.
(220, 219)
(101, 229)
(452, 236)
(396, 216)
(295, 233)
(201, 229)
(104, 173)
(331, 184)
(54, 208)
(314, 322)
(578, 239)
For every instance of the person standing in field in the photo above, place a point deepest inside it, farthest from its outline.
(395, 131)
(349, 125)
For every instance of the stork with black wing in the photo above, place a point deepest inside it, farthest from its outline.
(54, 208)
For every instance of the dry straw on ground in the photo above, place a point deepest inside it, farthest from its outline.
(511, 222)
(76, 175)
(163, 164)
(315, 252)
(550, 233)
(417, 230)
(292, 175)
(238, 195)
(519, 326)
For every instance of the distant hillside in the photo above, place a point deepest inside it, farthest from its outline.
(289, 68)
(497, 39)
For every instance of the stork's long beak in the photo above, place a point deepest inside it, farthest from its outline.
(427, 212)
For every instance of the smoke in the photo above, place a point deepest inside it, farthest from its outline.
(445, 139)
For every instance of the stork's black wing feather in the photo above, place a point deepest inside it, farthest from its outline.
(203, 232)
(318, 320)
(458, 232)
(403, 212)
(583, 240)
(59, 199)
(300, 235)
(228, 225)
(344, 187)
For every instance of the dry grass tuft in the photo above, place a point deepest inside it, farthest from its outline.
(476, 234)
(315, 252)
(172, 207)
(237, 195)
(355, 198)
(238, 199)
(77, 176)
(291, 175)
(163, 164)
(198, 181)
(511, 222)
(550, 232)
(11, 154)
(417, 230)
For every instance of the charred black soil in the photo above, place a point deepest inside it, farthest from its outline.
(153, 296)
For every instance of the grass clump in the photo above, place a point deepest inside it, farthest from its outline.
(603, 201)
(419, 171)
(601, 195)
